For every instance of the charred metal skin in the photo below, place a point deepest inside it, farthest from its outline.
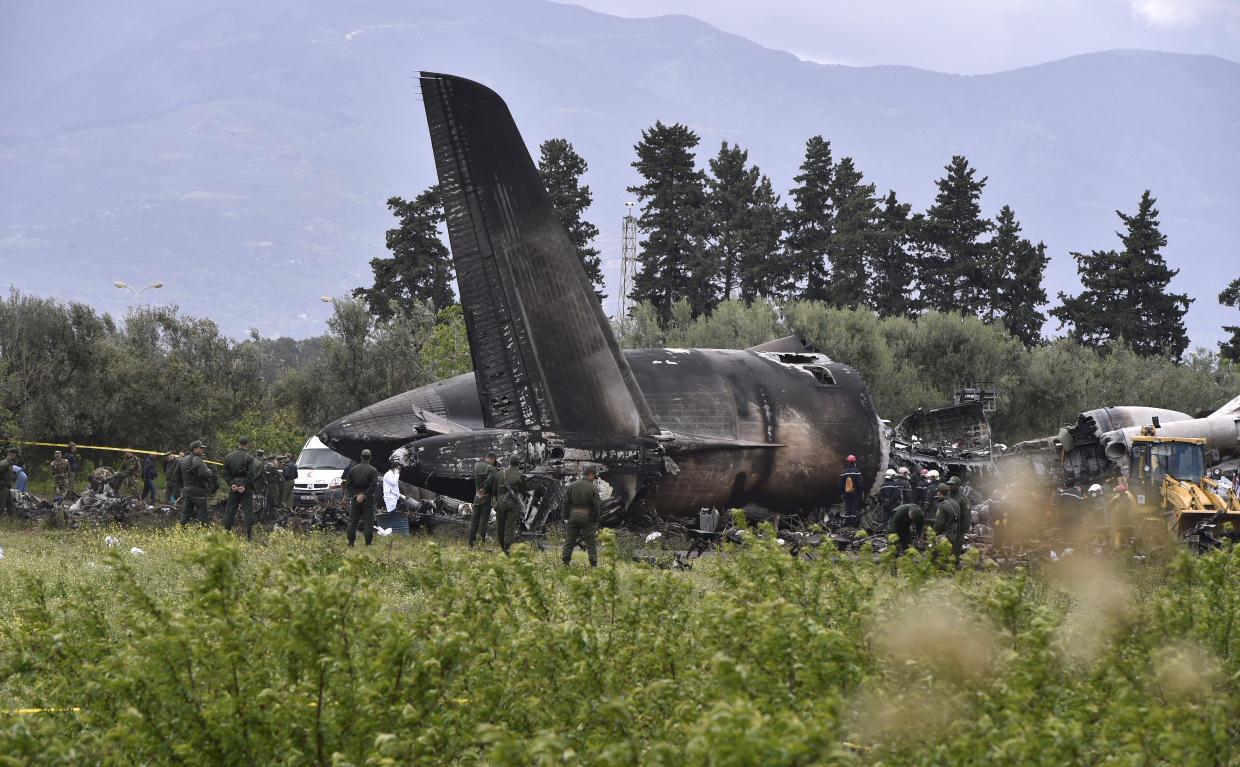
(677, 429)
(741, 426)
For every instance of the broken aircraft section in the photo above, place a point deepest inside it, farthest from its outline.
(674, 430)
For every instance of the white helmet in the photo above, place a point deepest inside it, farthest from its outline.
(932, 474)
(903, 471)
(890, 473)
(1095, 489)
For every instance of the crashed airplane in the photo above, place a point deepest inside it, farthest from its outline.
(674, 430)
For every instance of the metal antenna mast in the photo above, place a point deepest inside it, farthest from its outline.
(628, 258)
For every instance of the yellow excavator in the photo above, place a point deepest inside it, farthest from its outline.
(1167, 478)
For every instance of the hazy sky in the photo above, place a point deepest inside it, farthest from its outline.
(962, 36)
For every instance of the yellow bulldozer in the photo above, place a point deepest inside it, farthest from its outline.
(1172, 495)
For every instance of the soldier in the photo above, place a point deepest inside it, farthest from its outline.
(102, 481)
(260, 484)
(131, 470)
(289, 472)
(7, 477)
(360, 487)
(851, 491)
(505, 487)
(962, 500)
(172, 479)
(906, 522)
(60, 476)
(197, 482)
(240, 468)
(275, 481)
(581, 509)
(890, 495)
(482, 499)
(948, 520)
(169, 462)
(75, 465)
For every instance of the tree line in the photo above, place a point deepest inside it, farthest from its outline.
(158, 379)
(722, 232)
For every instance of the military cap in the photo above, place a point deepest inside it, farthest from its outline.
(366, 453)
(591, 468)
(12, 449)
(196, 444)
(944, 487)
(954, 481)
(514, 459)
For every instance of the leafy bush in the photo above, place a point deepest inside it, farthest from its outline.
(206, 650)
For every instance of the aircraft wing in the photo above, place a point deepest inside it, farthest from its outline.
(542, 348)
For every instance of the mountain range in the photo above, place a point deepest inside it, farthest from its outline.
(242, 153)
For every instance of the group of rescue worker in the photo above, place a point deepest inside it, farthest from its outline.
(906, 501)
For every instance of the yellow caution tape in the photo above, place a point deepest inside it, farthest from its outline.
(29, 711)
(113, 449)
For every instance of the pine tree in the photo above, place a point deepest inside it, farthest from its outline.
(811, 220)
(954, 269)
(743, 226)
(853, 235)
(891, 261)
(1017, 267)
(1231, 297)
(673, 262)
(764, 269)
(420, 267)
(1126, 294)
(561, 169)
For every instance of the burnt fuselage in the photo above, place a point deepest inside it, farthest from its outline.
(737, 427)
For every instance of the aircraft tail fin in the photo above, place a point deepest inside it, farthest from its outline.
(1231, 408)
(543, 350)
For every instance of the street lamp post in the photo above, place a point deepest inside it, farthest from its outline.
(138, 293)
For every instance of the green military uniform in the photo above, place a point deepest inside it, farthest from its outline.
(904, 519)
(172, 480)
(275, 484)
(948, 522)
(363, 481)
(131, 468)
(7, 477)
(239, 469)
(581, 508)
(481, 516)
(260, 483)
(505, 487)
(288, 472)
(962, 500)
(197, 481)
(60, 477)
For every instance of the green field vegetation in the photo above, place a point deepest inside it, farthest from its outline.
(296, 650)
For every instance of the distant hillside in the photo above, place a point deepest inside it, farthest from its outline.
(243, 152)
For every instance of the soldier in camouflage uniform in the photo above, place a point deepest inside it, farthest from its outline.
(505, 488)
(260, 485)
(581, 509)
(131, 468)
(197, 482)
(60, 476)
(275, 483)
(481, 516)
(239, 469)
(7, 477)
